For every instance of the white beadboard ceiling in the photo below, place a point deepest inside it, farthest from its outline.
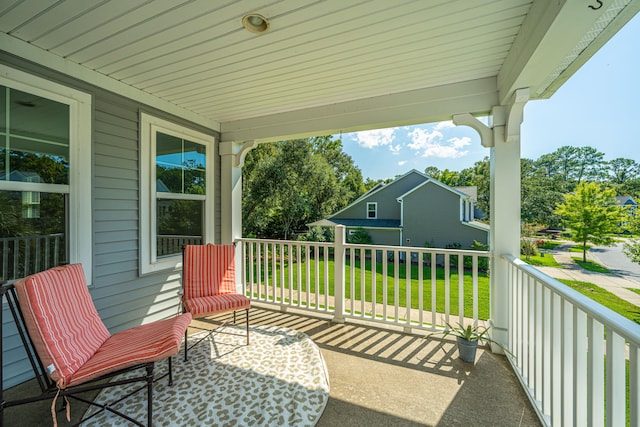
(324, 65)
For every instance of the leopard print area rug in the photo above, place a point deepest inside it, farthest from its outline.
(280, 379)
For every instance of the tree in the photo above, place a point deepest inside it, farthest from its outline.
(288, 184)
(592, 215)
(539, 195)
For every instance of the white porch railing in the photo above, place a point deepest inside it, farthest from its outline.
(387, 284)
(22, 256)
(577, 360)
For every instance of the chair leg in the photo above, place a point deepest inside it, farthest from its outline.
(186, 345)
(150, 394)
(247, 313)
(170, 371)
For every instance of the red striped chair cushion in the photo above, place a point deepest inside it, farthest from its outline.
(146, 343)
(207, 306)
(61, 319)
(208, 270)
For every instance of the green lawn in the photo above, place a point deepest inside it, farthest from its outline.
(578, 248)
(591, 266)
(354, 285)
(549, 244)
(606, 298)
(637, 291)
(543, 260)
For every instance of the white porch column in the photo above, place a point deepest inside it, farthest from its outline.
(503, 139)
(230, 193)
(505, 207)
(232, 156)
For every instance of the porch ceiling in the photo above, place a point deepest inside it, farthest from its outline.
(324, 66)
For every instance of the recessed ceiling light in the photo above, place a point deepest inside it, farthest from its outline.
(255, 23)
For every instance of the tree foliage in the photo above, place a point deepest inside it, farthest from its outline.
(289, 184)
(592, 215)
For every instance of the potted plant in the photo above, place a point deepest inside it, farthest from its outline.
(467, 338)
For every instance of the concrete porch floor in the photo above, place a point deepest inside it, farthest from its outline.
(378, 378)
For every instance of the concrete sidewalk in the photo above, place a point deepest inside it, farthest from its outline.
(614, 283)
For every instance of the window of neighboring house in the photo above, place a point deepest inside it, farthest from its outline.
(45, 175)
(372, 210)
(176, 196)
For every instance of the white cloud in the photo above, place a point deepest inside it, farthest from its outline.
(395, 149)
(445, 125)
(432, 144)
(422, 138)
(402, 162)
(375, 138)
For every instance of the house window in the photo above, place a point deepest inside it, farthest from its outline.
(176, 200)
(372, 210)
(45, 170)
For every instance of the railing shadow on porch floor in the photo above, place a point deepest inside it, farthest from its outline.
(380, 378)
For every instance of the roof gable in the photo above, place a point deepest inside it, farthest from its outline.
(395, 185)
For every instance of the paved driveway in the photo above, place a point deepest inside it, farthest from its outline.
(614, 259)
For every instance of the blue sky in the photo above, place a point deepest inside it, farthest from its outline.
(598, 107)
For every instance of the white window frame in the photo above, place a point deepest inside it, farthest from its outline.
(375, 210)
(80, 142)
(149, 126)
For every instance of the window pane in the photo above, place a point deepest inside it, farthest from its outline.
(179, 222)
(32, 232)
(180, 165)
(35, 139)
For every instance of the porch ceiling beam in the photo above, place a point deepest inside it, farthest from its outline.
(399, 109)
(556, 39)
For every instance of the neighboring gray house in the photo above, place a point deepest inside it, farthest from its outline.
(414, 210)
(628, 202)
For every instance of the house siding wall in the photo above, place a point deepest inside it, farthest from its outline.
(123, 298)
(388, 206)
(444, 227)
(384, 237)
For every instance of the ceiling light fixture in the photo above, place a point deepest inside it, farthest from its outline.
(255, 23)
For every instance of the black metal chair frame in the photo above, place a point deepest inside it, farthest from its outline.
(48, 388)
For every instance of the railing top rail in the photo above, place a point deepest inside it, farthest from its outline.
(623, 326)
(372, 247)
(35, 236)
(286, 242)
(417, 249)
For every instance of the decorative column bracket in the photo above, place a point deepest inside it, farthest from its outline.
(508, 116)
(486, 134)
(238, 150)
(516, 113)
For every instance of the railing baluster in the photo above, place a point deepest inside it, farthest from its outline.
(579, 367)
(434, 290)
(616, 384)
(421, 256)
(447, 288)
(363, 286)
(407, 284)
(352, 280)
(634, 385)
(396, 285)
(474, 267)
(282, 271)
(461, 289)
(299, 269)
(316, 263)
(308, 273)
(385, 284)
(374, 269)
